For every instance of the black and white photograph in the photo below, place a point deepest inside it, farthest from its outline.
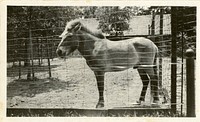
(100, 60)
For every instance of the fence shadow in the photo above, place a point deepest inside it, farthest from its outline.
(27, 88)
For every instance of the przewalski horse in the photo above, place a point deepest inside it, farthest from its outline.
(103, 55)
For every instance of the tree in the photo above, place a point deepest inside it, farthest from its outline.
(186, 22)
(113, 18)
(88, 11)
(25, 23)
(156, 9)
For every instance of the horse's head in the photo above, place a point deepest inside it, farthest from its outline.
(70, 39)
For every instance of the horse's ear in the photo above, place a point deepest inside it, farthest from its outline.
(61, 35)
(77, 27)
(64, 33)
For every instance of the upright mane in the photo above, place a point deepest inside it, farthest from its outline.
(84, 27)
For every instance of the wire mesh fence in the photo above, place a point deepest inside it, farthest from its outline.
(31, 50)
(32, 45)
(186, 38)
(160, 33)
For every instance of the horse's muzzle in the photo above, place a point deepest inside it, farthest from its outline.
(60, 53)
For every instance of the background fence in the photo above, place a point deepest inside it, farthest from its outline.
(31, 47)
(184, 34)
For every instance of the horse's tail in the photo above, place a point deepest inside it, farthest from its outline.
(155, 58)
(156, 67)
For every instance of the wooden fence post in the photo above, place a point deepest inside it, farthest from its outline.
(19, 57)
(153, 23)
(31, 43)
(190, 83)
(38, 51)
(48, 57)
(48, 50)
(149, 30)
(161, 48)
(173, 58)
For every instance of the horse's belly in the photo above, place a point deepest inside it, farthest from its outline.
(121, 63)
(116, 68)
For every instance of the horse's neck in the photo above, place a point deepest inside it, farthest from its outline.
(86, 45)
(95, 33)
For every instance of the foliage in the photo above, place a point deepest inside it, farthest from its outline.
(113, 18)
(31, 22)
(50, 20)
(47, 19)
(186, 27)
(156, 10)
(89, 11)
(117, 18)
(42, 20)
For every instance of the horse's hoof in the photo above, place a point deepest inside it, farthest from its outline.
(138, 102)
(155, 102)
(100, 105)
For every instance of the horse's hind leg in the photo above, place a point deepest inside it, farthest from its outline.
(154, 83)
(145, 82)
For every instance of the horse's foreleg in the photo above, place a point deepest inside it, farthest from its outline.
(145, 82)
(100, 85)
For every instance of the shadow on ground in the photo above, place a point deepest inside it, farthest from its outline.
(14, 71)
(29, 88)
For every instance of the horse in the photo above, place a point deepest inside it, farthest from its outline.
(103, 55)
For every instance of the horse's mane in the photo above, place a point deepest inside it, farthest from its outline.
(84, 27)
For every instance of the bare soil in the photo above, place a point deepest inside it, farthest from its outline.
(73, 85)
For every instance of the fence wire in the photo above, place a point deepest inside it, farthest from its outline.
(43, 35)
(31, 46)
(186, 38)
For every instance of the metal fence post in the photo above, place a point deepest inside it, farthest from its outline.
(190, 83)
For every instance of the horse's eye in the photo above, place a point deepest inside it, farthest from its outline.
(69, 29)
(69, 36)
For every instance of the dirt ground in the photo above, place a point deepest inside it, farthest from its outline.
(72, 85)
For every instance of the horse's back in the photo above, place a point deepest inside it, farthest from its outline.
(141, 44)
(142, 41)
